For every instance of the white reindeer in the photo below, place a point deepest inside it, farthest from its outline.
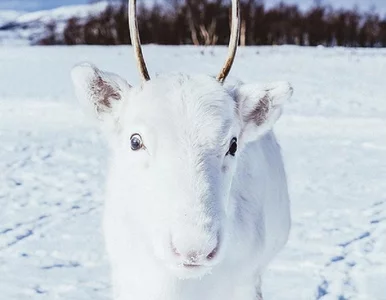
(197, 202)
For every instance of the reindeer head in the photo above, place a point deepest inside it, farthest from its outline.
(175, 142)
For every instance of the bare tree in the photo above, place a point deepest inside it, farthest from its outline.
(207, 22)
(202, 32)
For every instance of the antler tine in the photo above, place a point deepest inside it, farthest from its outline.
(135, 40)
(233, 42)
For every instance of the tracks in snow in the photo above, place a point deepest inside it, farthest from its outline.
(344, 275)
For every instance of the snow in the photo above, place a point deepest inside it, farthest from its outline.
(64, 12)
(7, 16)
(24, 28)
(333, 135)
(368, 5)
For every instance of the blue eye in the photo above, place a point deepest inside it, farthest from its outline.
(136, 142)
(233, 147)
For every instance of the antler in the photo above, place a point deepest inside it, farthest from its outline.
(233, 42)
(135, 40)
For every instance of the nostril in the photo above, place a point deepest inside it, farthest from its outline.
(194, 256)
(212, 254)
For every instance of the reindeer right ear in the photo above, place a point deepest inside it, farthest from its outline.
(100, 93)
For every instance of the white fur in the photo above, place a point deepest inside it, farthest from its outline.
(182, 192)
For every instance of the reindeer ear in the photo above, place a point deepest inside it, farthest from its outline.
(260, 107)
(100, 93)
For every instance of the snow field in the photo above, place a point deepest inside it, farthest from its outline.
(333, 135)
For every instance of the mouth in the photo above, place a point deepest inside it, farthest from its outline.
(192, 266)
(190, 270)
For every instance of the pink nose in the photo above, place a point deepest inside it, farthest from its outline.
(195, 257)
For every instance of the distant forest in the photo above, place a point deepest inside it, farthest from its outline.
(206, 22)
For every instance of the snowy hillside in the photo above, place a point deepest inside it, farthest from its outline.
(27, 28)
(8, 16)
(333, 136)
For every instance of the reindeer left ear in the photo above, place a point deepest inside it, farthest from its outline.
(101, 94)
(260, 107)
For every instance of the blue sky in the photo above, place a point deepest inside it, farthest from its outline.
(31, 5)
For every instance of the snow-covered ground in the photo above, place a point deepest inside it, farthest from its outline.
(333, 135)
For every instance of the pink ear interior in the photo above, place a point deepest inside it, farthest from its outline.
(103, 93)
(260, 112)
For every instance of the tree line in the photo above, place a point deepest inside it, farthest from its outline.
(207, 22)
